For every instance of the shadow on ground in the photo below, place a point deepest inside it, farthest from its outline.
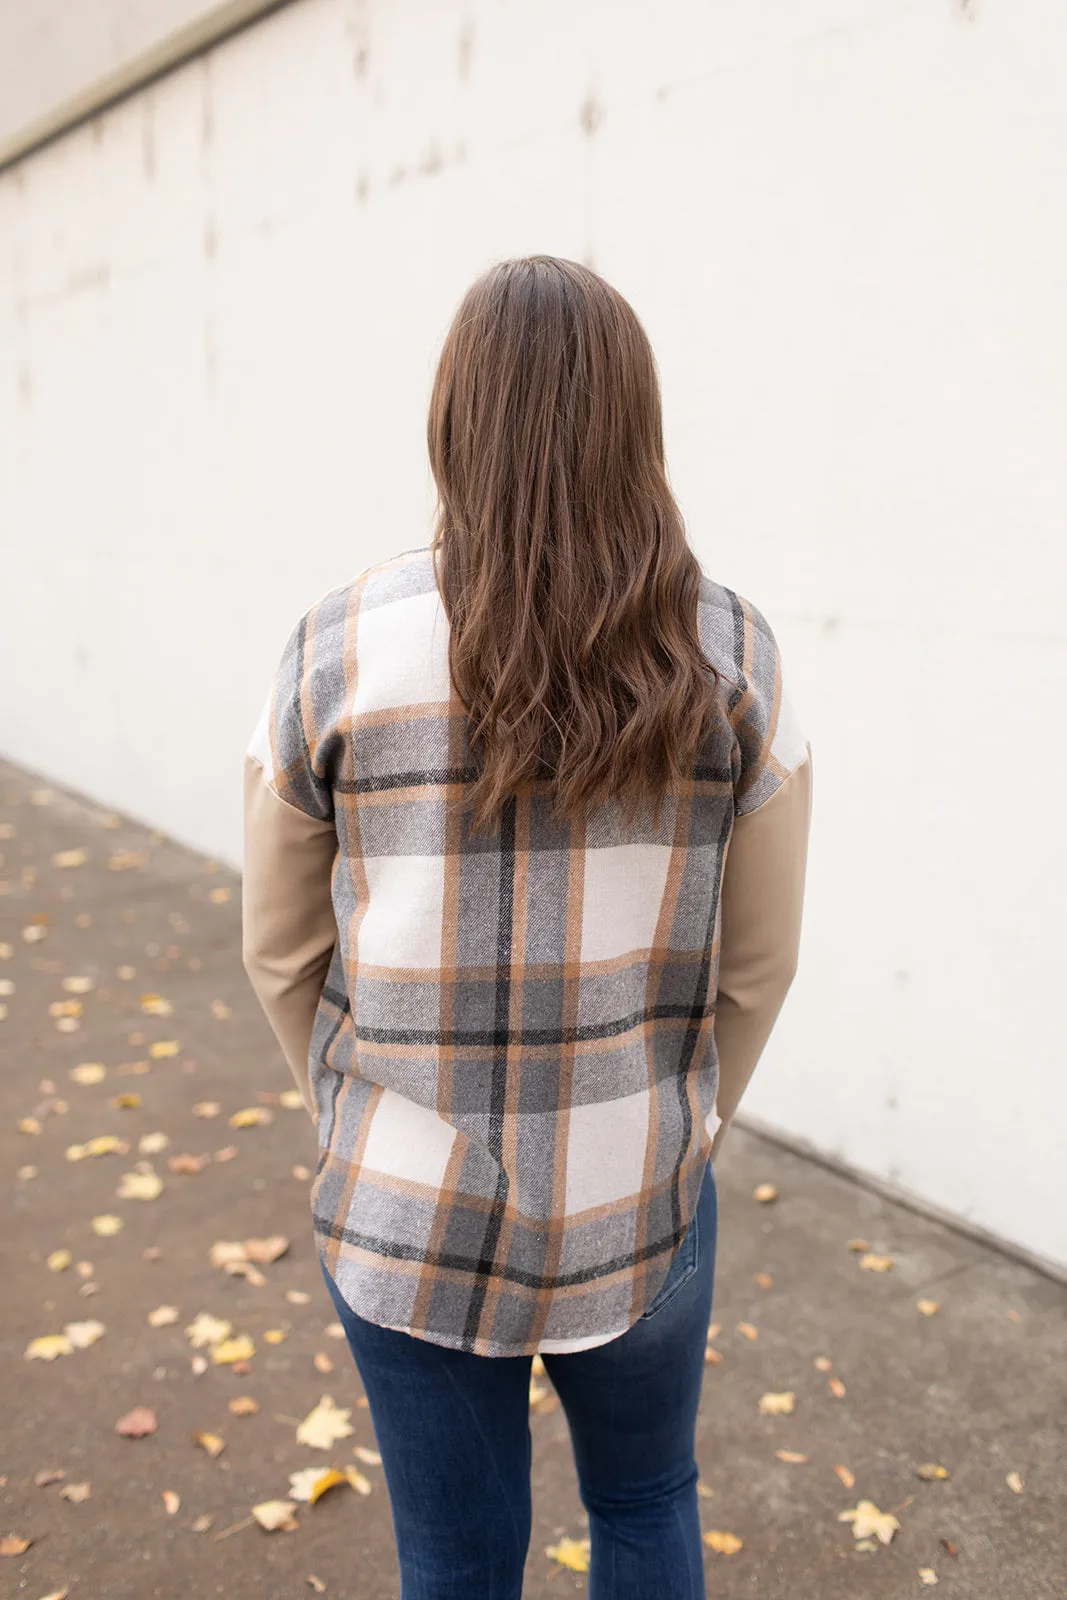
(976, 1387)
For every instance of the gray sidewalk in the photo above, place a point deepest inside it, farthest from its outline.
(977, 1387)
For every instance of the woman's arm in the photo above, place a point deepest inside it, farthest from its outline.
(762, 900)
(289, 927)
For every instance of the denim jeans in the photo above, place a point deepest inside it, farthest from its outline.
(454, 1436)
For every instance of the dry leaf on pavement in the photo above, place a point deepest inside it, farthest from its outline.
(12, 1545)
(749, 1330)
(162, 1316)
(927, 1308)
(792, 1458)
(48, 1347)
(84, 1334)
(76, 1493)
(724, 1544)
(88, 1072)
(570, 1553)
(323, 1426)
(867, 1522)
(207, 1108)
(370, 1458)
(927, 1576)
(154, 1005)
(210, 1442)
(847, 1478)
(765, 1193)
(105, 1226)
(778, 1405)
(243, 1405)
(163, 1049)
(276, 1516)
(207, 1330)
(171, 1500)
(837, 1388)
(930, 1472)
(359, 1480)
(137, 1423)
(232, 1350)
(873, 1262)
(48, 1475)
(1014, 1483)
(59, 1261)
(140, 1186)
(252, 1117)
(311, 1483)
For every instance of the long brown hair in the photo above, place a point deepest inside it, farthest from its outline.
(561, 555)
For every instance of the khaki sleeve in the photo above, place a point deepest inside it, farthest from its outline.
(762, 902)
(289, 930)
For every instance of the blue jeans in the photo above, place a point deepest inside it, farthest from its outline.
(454, 1435)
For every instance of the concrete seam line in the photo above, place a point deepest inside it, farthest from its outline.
(159, 59)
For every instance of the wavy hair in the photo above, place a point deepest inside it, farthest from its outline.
(561, 555)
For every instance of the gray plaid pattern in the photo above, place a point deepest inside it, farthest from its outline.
(513, 1058)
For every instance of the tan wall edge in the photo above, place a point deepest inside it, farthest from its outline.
(168, 53)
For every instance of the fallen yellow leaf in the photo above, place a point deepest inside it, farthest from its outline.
(359, 1480)
(927, 1308)
(765, 1193)
(79, 985)
(172, 1501)
(847, 1478)
(251, 1117)
(749, 1330)
(370, 1458)
(243, 1405)
(323, 1426)
(311, 1483)
(162, 1316)
(47, 1347)
(207, 1108)
(930, 1472)
(218, 896)
(29, 1125)
(70, 858)
(210, 1442)
(274, 1336)
(125, 1101)
(163, 1048)
(65, 1008)
(873, 1262)
(570, 1553)
(12, 1545)
(291, 1099)
(152, 1144)
(140, 1186)
(154, 1005)
(206, 1329)
(59, 1260)
(1014, 1483)
(231, 1350)
(837, 1389)
(778, 1405)
(107, 1225)
(792, 1458)
(724, 1544)
(867, 1522)
(88, 1072)
(927, 1576)
(76, 1493)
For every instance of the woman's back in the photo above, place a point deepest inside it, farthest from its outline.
(513, 1062)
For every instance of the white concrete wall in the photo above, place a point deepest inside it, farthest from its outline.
(843, 224)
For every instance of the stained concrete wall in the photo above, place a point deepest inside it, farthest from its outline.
(842, 222)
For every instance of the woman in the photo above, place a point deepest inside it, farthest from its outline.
(526, 825)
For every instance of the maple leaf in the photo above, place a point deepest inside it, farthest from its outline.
(570, 1553)
(206, 1330)
(867, 1522)
(323, 1426)
(276, 1516)
(724, 1544)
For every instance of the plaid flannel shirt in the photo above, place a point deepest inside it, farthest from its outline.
(512, 1060)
